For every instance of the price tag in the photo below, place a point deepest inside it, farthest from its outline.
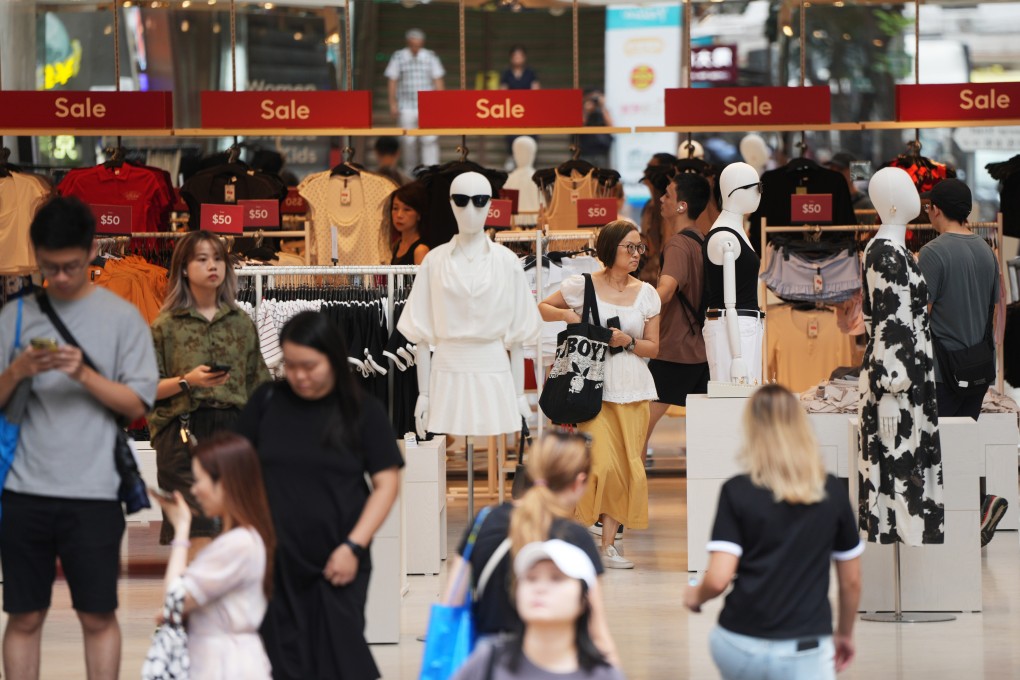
(222, 219)
(261, 213)
(512, 195)
(230, 193)
(812, 329)
(294, 204)
(811, 208)
(112, 219)
(499, 213)
(595, 212)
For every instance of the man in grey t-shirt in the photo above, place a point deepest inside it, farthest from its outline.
(60, 496)
(963, 287)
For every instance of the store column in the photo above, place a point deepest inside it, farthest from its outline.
(17, 52)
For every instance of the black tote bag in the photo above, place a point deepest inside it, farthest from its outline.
(573, 390)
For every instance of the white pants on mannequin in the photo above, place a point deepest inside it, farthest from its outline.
(717, 347)
(408, 120)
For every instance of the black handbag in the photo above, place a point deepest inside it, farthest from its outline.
(971, 370)
(573, 391)
(132, 492)
(521, 480)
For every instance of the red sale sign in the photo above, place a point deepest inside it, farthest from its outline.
(287, 109)
(112, 219)
(500, 108)
(747, 106)
(222, 219)
(512, 195)
(500, 211)
(294, 204)
(261, 213)
(968, 101)
(811, 208)
(595, 212)
(87, 110)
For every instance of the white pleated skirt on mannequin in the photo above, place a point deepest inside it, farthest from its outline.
(471, 390)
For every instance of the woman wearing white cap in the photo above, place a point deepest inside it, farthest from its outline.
(553, 580)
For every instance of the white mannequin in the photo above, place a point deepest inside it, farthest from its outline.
(524, 150)
(723, 249)
(696, 150)
(471, 239)
(755, 152)
(897, 202)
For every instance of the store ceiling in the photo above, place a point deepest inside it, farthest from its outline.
(474, 4)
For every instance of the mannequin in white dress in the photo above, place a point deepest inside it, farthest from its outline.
(733, 328)
(524, 151)
(472, 303)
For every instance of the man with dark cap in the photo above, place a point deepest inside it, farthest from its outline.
(963, 286)
(840, 162)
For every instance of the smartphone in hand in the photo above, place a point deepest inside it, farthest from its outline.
(219, 368)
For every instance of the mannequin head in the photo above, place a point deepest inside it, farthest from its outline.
(894, 196)
(524, 150)
(741, 192)
(755, 152)
(696, 150)
(470, 218)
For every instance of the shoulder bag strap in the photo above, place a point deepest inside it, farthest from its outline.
(47, 308)
(490, 566)
(591, 304)
(17, 327)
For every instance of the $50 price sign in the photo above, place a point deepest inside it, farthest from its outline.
(595, 212)
(810, 208)
(261, 213)
(223, 219)
(499, 213)
(112, 219)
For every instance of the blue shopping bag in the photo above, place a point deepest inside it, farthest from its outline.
(451, 634)
(9, 429)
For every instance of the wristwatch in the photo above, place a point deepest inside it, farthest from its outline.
(633, 343)
(183, 384)
(359, 550)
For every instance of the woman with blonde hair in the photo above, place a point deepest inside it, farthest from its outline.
(210, 363)
(776, 530)
(558, 464)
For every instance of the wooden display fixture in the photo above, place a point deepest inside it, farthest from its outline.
(502, 132)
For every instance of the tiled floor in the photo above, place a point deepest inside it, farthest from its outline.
(656, 636)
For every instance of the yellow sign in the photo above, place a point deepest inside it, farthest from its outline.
(61, 72)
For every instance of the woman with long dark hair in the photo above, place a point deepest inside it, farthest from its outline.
(406, 224)
(554, 579)
(317, 435)
(777, 532)
(209, 361)
(226, 587)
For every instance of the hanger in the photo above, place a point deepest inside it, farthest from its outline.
(5, 168)
(575, 163)
(346, 168)
(115, 157)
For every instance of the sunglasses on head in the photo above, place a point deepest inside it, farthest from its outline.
(746, 186)
(461, 200)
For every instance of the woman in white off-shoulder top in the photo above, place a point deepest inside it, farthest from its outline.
(226, 588)
(617, 491)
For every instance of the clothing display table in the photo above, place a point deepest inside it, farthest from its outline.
(943, 577)
(424, 493)
(386, 587)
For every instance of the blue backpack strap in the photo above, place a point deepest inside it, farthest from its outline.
(17, 326)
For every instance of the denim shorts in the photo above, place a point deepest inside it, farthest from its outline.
(741, 657)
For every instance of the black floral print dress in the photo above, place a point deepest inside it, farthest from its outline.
(900, 478)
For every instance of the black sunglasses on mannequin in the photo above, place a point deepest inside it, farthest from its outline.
(746, 186)
(461, 200)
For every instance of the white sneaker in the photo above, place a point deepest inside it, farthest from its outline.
(612, 559)
(596, 530)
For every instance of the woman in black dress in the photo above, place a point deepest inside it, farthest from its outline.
(406, 224)
(317, 435)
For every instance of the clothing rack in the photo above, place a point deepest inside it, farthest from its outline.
(766, 229)
(542, 239)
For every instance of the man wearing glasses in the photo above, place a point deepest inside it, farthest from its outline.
(60, 496)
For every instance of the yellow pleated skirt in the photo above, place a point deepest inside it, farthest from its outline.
(617, 485)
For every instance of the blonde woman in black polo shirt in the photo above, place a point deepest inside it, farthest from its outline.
(777, 529)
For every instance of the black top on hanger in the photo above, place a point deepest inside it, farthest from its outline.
(347, 168)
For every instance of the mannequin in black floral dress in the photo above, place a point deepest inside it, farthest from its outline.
(900, 490)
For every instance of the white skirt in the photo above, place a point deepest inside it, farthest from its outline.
(717, 347)
(471, 390)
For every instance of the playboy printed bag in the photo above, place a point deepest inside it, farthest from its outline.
(573, 390)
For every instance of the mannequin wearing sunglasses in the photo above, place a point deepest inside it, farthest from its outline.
(733, 328)
(897, 379)
(472, 303)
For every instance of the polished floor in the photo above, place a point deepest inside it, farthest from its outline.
(656, 636)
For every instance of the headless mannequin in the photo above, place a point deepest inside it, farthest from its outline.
(755, 152)
(471, 239)
(723, 249)
(897, 202)
(524, 150)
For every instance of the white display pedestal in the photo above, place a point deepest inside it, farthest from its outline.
(943, 577)
(999, 435)
(425, 501)
(386, 587)
(714, 433)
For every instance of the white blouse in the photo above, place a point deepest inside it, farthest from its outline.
(627, 376)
